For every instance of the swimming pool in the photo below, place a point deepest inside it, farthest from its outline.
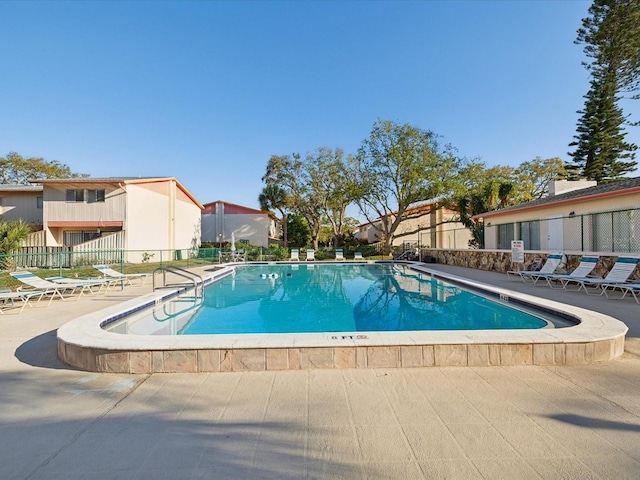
(85, 344)
(320, 298)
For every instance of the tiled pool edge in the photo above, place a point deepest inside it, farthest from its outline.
(598, 338)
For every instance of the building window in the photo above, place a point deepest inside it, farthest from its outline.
(616, 231)
(75, 237)
(75, 195)
(505, 235)
(94, 196)
(530, 234)
(39, 203)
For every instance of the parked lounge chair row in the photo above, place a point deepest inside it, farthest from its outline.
(583, 278)
(295, 255)
(36, 288)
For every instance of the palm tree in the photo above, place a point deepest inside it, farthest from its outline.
(12, 233)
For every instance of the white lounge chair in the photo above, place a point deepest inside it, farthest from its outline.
(553, 261)
(109, 272)
(625, 288)
(311, 255)
(37, 284)
(295, 255)
(8, 298)
(357, 256)
(583, 270)
(339, 254)
(619, 274)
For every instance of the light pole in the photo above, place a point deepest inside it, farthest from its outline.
(419, 248)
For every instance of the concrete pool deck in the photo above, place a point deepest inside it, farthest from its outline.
(441, 422)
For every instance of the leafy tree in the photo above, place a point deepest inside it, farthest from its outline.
(534, 178)
(331, 179)
(12, 233)
(289, 173)
(298, 230)
(275, 198)
(15, 169)
(611, 35)
(491, 195)
(397, 166)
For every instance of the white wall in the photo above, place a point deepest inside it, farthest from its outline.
(247, 226)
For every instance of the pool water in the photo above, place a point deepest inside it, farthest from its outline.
(305, 298)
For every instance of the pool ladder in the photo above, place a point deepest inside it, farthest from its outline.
(191, 279)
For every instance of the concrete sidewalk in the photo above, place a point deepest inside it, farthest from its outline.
(467, 423)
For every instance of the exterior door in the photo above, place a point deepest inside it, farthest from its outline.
(555, 239)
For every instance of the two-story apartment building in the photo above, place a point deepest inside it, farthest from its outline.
(149, 213)
(220, 219)
(426, 226)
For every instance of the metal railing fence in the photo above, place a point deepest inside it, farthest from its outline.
(70, 257)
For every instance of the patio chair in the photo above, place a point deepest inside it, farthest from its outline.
(311, 255)
(295, 255)
(86, 285)
(339, 254)
(8, 298)
(552, 263)
(583, 270)
(38, 284)
(109, 272)
(625, 288)
(619, 274)
(357, 256)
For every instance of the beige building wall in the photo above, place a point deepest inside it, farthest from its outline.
(187, 221)
(56, 207)
(148, 223)
(431, 230)
(160, 216)
(569, 212)
(23, 206)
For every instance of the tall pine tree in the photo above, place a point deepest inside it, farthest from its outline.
(612, 41)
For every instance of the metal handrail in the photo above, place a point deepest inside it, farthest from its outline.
(197, 280)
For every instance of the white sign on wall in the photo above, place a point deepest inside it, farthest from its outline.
(517, 251)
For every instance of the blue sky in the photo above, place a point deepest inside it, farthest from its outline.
(208, 91)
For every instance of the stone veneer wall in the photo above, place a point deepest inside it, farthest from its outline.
(500, 260)
(397, 356)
